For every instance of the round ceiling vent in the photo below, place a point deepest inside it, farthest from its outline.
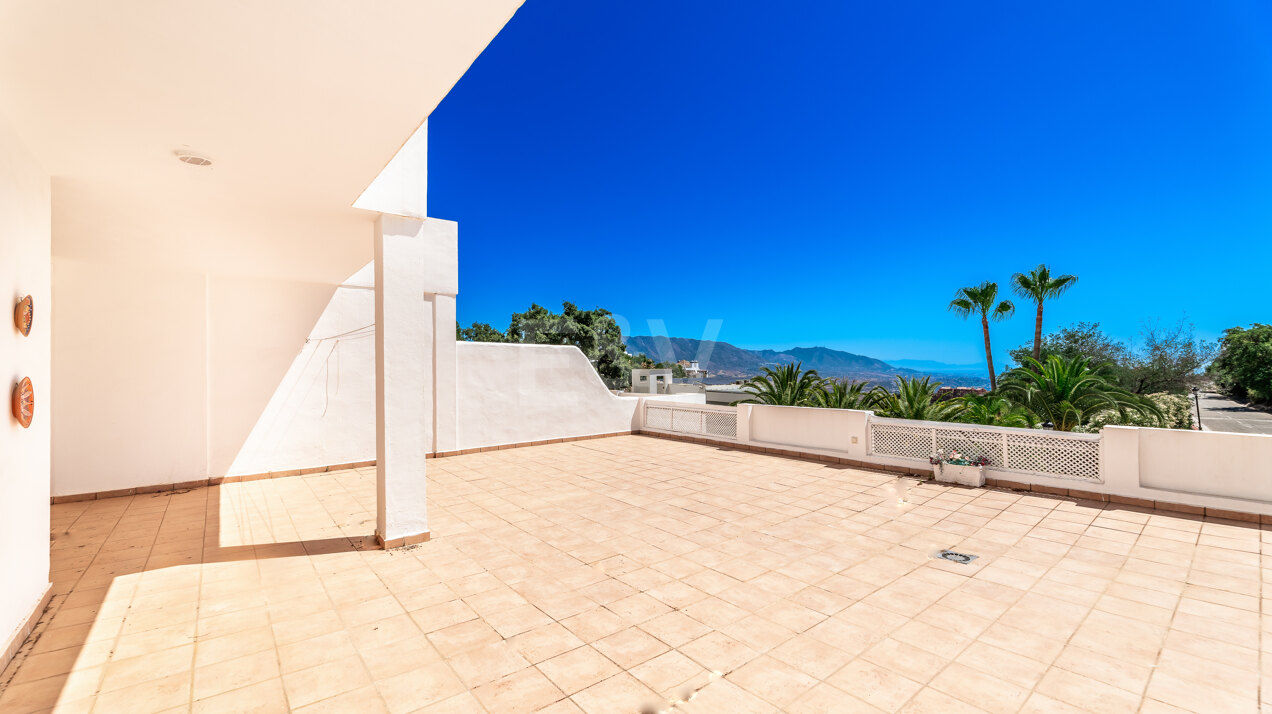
(186, 156)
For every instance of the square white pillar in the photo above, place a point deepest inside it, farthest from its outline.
(416, 280)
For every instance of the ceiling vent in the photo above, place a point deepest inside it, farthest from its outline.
(186, 156)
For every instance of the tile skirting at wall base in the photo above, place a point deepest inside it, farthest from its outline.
(403, 541)
(200, 483)
(518, 445)
(20, 636)
(1077, 493)
(216, 481)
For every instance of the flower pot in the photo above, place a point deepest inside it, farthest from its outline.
(962, 475)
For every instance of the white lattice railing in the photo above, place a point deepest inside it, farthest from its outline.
(696, 419)
(1044, 453)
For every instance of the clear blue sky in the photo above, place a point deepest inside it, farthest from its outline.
(829, 173)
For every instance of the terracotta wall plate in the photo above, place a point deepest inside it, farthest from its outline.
(23, 314)
(24, 402)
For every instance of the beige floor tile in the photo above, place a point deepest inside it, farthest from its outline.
(773, 573)
(630, 647)
(231, 674)
(772, 680)
(152, 695)
(1086, 693)
(487, 663)
(465, 636)
(524, 691)
(877, 685)
(363, 700)
(825, 699)
(420, 687)
(675, 628)
(325, 680)
(578, 669)
(718, 652)
(983, 690)
(266, 697)
(619, 694)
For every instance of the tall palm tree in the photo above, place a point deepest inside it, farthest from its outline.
(788, 385)
(1068, 392)
(914, 400)
(1040, 286)
(980, 300)
(843, 394)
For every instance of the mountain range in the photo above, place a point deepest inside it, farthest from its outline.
(723, 360)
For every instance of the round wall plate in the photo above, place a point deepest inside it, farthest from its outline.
(24, 314)
(24, 402)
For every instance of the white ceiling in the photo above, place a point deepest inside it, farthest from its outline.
(300, 104)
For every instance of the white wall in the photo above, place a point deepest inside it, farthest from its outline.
(24, 453)
(322, 413)
(509, 394)
(172, 376)
(1207, 462)
(831, 430)
(1229, 472)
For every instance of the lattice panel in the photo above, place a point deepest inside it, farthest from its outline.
(1065, 456)
(721, 424)
(687, 420)
(970, 444)
(1038, 452)
(907, 442)
(658, 418)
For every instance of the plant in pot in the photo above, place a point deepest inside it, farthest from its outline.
(956, 467)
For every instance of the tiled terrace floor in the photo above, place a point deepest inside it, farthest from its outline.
(609, 575)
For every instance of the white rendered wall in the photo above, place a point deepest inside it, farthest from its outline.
(1207, 462)
(508, 394)
(835, 430)
(173, 376)
(1210, 469)
(323, 411)
(24, 453)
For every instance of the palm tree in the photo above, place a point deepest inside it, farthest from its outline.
(1068, 392)
(979, 300)
(1039, 285)
(994, 411)
(788, 385)
(843, 394)
(914, 400)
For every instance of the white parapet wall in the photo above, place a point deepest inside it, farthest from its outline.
(513, 394)
(1206, 462)
(1221, 473)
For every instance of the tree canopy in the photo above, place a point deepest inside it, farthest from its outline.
(1244, 364)
(1168, 359)
(594, 332)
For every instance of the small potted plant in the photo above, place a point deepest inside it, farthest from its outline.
(956, 467)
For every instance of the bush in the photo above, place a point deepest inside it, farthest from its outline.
(1176, 414)
(1244, 365)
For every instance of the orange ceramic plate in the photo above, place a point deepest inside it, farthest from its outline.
(23, 314)
(24, 402)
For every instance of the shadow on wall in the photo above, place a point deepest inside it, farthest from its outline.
(169, 377)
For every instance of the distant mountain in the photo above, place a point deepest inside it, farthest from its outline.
(927, 365)
(722, 359)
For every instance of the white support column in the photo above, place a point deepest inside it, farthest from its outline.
(416, 280)
(445, 418)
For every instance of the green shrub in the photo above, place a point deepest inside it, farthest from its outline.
(1176, 414)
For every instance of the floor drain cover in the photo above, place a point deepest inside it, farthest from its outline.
(963, 558)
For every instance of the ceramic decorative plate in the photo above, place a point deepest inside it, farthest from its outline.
(23, 402)
(23, 314)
